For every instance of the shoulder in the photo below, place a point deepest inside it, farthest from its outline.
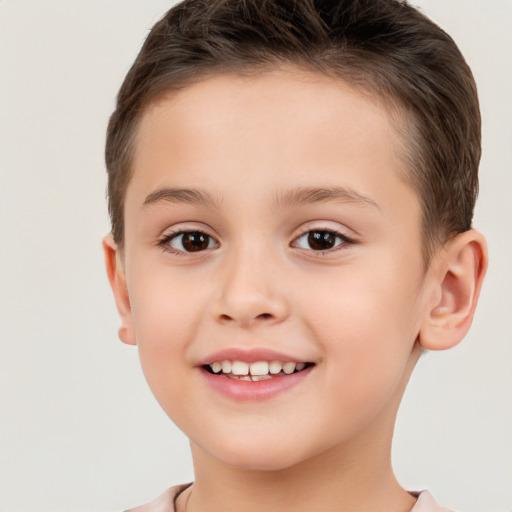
(426, 503)
(164, 502)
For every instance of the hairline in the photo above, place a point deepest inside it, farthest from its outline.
(402, 120)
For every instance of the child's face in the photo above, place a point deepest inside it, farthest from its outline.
(302, 244)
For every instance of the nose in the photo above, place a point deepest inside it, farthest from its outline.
(251, 292)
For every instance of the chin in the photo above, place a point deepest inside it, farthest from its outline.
(251, 452)
(261, 461)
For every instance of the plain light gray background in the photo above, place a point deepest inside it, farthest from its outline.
(79, 429)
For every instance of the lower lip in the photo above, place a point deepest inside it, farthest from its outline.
(247, 391)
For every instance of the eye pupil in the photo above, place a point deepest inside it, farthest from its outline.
(321, 240)
(195, 241)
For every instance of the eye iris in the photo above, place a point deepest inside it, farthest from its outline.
(321, 240)
(195, 241)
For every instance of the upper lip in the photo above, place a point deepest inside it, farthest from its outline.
(250, 355)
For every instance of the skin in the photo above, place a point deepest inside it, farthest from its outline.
(360, 311)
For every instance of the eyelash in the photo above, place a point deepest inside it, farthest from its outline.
(165, 241)
(344, 240)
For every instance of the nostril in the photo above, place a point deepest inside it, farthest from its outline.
(263, 317)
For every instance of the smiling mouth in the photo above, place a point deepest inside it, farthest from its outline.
(257, 371)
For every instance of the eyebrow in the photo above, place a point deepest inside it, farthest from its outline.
(181, 195)
(311, 195)
(290, 197)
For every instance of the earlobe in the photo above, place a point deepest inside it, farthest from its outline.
(458, 270)
(117, 278)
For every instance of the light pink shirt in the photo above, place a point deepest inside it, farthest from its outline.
(165, 502)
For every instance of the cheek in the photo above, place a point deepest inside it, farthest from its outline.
(164, 321)
(165, 304)
(362, 302)
(365, 332)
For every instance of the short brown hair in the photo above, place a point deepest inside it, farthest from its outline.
(386, 47)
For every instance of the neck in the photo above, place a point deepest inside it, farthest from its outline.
(355, 478)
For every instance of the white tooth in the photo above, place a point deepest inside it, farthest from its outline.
(300, 366)
(275, 367)
(244, 377)
(288, 368)
(226, 366)
(216, 367)
(239, 368)
(256, 378)
(259, 368)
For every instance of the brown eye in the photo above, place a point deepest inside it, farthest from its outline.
(320, 240)
(192, 241)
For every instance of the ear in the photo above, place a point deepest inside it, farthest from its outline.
(456, 273)
(117, 278)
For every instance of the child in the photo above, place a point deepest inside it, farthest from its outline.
(291, 188)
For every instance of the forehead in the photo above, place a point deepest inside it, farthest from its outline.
(267, 131)
(264, 101)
